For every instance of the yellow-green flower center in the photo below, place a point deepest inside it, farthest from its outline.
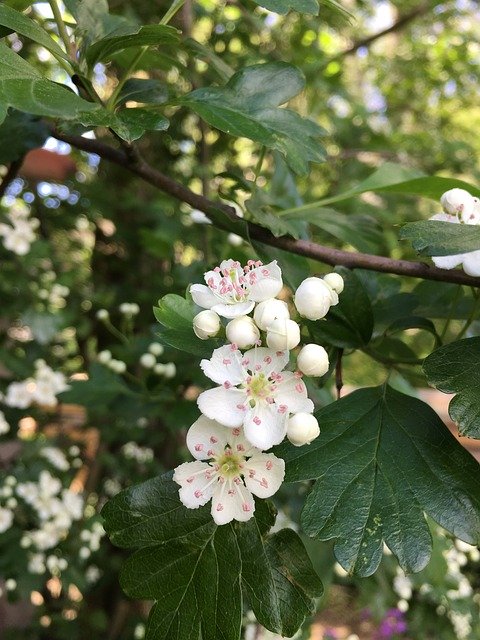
(230, 464)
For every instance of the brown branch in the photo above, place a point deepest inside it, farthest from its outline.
(223, 216)
(11, 174)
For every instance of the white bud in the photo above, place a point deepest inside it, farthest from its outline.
(234, 239)
(148, 360)
(199, 217)
(159, 369)
(460, 202)
(156, 348)
(313, 298)
(10, 584)
(313, 360)
(268, 311)
(302, 428)
(206, 324)
(283, 334)
(243, 332)
(118, 366)
(104, 356)
(170, 370)
(334, 281)
(102, 314)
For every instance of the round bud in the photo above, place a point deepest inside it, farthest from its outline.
(206, 324)
(283, 334)
(313, 360)
(199, 217)
(313, 298)
(302, 428)
(102, 314)
(104, 356)
(234, 239)
(156, 348)
(159, 369)
(268, 311)
(458, 202)
(148, 360)
(334, 281)
(243, 332)
(170, 370)
(118, 366)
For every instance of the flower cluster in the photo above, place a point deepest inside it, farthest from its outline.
(42, 388)
(459, 207)
(19, 233)
(258, 401)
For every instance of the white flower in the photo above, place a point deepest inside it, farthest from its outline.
(458, 202)
(243, 332)
(235, 470)
(156, 348)
(56, 457)
(470, 260)
(302, 428)
(4, 426)
(313, 360)
(283, 334)
(170, 370)
(104, 357)
(199, 217)
(254, 393)
(232, 291)
(268, 311)
(314, 297)
(19, 394)
(206, 324)
(148, 360)
(334, 281)
(6, 519)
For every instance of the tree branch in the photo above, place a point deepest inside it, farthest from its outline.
(223, 216)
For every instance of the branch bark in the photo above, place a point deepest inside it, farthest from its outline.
(223, 216)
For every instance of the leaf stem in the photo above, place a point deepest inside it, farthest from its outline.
(471, 317)
(62, 30)
(450, 315)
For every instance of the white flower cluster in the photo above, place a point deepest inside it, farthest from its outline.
(91, 539)
(257, 402)
(148, 360)
(42, 388)
(105, 357)
(459, 207)
(19, 234)
(132, 451)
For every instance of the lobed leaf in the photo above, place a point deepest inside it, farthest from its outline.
(436, 238)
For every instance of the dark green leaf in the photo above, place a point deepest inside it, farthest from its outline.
(284, 6)
(248, 106)
(26, 27)
(435, 238)
(455, 368)
(129, 124)
(102, 386)
(19, 133)
(413, 322)
(384, 459)
(144, 91)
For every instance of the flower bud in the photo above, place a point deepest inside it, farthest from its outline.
(159, 369)
(148, 360)
(313, 360)
(243, 332)
(170, 370)
(234, 239)
(206, 324)
(104, 356)
(334, 281)
(283, 334)
(102, 314)
(156, 348)
(118, 366)
(458, 202)
(302, 428)
(268, 311)
(313, 298)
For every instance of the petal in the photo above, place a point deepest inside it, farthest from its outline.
(223, 405)
(224, 366)
(265, 426)
(207, 438)
(448, 262)
(239, 443)
(445, 217)
(196, 486)
(268, 282)
(267, 359)
(213, 277)
(232, 501)
(264, 473)
(233, 310)
(203, 296)
(292, 392)
(471, 263)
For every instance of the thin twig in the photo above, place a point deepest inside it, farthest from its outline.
(338, 374)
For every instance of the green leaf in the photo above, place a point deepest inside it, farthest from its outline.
(284, 6)
(350, 323)
(151, 35)
(413, 322)
(144, 91)
(129, 124)
(247, 106)
(23, 88)
(102, 387)
(384, 459)
(26, 27)
(175, 315)
(195, 570)
(19, 133)
(435, 238)
(455, 368)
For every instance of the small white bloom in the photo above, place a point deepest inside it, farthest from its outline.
(243, 332)
(402, 585)
(170, 370)
(313, 298)
(84, 553)
(313, 360)
(56, 457)
(19, 394)
(4, 426)
(12, 503)
(11, 584)
(232, 291)
(234, 239)
(283, 334)
(159, 369)
(206, 324)
(264, 397)
(302, 428)
(198, 217)
(334, 281)
(458, 202)
(129, 309)
(36, 563)
(148, 360)
(156, 348)
(268, 311)
(235, 470)
(102, 314)
(6, 519)
(104, 357)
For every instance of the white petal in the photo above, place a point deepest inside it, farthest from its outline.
(292, 392)
(265, 426)
(471, 263)
(207, 438)
(445, 217)
(239, 443)
(223, 405)
(264, 474)
(448, 262)
(232, 501)
(196, 486)
(203, 296)
(224, 366)
(268, 282)
(233, 310)
(267, 359)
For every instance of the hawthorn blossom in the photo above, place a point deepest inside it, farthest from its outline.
(255, 393)
(227, 470)
(232, 291)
